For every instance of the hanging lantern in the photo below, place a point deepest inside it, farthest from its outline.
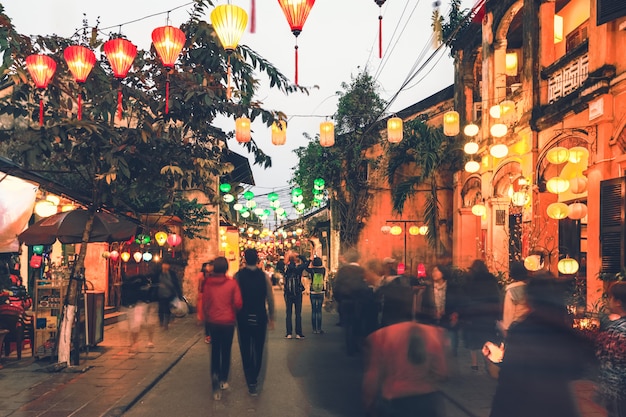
(114, 255)
(508, 114)
(578, 154)
(121, 54)
(499, 150)
(557, 185)
(472, 166)
(498, 130)
(41, 69)
(385, 230)
(577, 211)
(533, 263)
(147, 256)
(229, 22)
(520, 198)
(423, 230)
(380, 27)
(394, 130)
(161, 238)
(495, 111)
(106, 254)
(557, 211)
(568, 266)
(248, 195)
(327, 134)
(578, 184)
(296, 13)
(557, 155)
(279, 133)
(225, 187)
(451, 123)
(396, 230)
(168, 42)
(510, 64)
(125, 256)
(38, 249)
(479, 210)
(80, 61)
(228, 198)
(137, 256)
(242, 129)
(471, 130)
(471, 148)
(414, 230)
(273, 196)
(45, 208)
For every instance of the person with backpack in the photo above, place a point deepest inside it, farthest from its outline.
(318, 288)
(293, 295)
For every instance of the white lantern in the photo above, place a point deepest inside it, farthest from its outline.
(495, 111)
(498, 130)
(471, 130)
(423, 230)
(471, 148)
(472, 166)
(45, 208)
(499, 150)
(479, 210)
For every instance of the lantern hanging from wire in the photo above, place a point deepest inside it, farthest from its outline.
(229, 23)
(327, 134)
(174, 240)
(41, 69)
(296, 13)
(80, 60)
(121, 54)
(557, 211)
(125, 256)
(279, 133)
(568, 266)
(380, 27)
(451, 123)
(558, 155)
(242, 129)
(168, 42)
(394, 130)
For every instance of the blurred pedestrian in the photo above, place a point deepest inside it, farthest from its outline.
(292, 292)
(394, 296)
(318, 289)
(611, 354)
(205, 271)
(541, 355)
(169, 288)
(515, 304)
(405, 362)
(221, 300)
(254, 318)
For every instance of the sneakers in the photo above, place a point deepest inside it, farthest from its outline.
(252, 390)
(217, 396)
(288, 336)
(224, 385)
(207, 340)
(299, 336)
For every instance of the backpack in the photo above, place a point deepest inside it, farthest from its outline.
(293, 284)
(317, 283)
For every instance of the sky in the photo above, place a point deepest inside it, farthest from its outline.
(338, 41)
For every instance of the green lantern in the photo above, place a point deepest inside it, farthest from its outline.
(225, 188)
(248, 195)
(38, 249)
(296, 192)
(272, 196)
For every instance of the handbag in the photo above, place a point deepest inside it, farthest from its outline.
(178, 307)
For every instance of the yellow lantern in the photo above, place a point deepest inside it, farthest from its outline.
(578, 154)
(414, 230)
(394, 130)
(327, 134)
(229, 22)
(558, 155)
(479, 210)
(45, 208)
(451, 123)
(499, 150)
(511, 64)
(125, 256)
(470, 148)
(279, 133)
(578, 185)
(533, 262)
(557, 185)
(242, 129)
(507, 112)
(577, 211)
(557, 211)
(396, 230)
(472, 166)
(520, 198)
(568, 266)
(161, 238)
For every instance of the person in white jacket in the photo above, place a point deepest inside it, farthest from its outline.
(515, 303)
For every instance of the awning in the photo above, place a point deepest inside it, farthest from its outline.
(17, 199)
(242, 172)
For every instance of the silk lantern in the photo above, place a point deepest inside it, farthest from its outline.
(114, 255)
(80, 60)
(472, 166)
(557, 211)
(380, 27)
(470, 148)
(125, 256)
(121, 54)
(174, 240)
(510, 64)
(168, 42)
(577, 211)
(242, 129)
(396, 230)
(499, 150)
(279, 133)
(578, 184)
(327, 134)
(568, 266)
(229, 23)
(577, 154)
(41, 69)
(557, 155)
(557, 185)
(296, 13)
(451, 123)
(394, 130)
(471, 130)
(479, 210)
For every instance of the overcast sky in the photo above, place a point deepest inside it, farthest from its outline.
(339, 39)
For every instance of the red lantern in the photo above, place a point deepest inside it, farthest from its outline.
(41, 69)
(168, 42)
(121, 54)
(252, 16)
(296, 13)
(174, 240)
(380, 27)
(80, 61)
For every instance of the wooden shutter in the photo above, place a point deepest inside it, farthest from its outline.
(612, 234)
(610, 10)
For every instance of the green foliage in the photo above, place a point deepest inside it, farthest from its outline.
(448, 31)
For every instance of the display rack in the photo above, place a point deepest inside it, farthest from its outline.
(47, 306)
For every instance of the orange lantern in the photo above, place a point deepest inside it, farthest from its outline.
(380, 27)
(578, 185)
(242, 129)
(577, 211)
(394, 130)
(327, 134)
(41, 69)
(121, 54)
(229, 23)
(80, 61)
(279, 133)
(296, 13)
(168, 42)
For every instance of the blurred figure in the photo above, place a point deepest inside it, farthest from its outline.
(221, 299)
(205, 271)
(254, 318)
(318, 288)
(394, 295)
(293, 290)
(405, 362)
(611, 354)
(481, 311)
(542, 354)
(135, 301)
(168, 289)
(515, 304)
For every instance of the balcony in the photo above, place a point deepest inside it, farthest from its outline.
(567, 74)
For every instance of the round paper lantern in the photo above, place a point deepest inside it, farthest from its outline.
(414, 230)
(125, 256)
(238, 206)
(423, 230)
(471, 130)
(557, 185)
(45, 208)
(479, 210)
(228, 198)
(38, 249)
(114, 255)
(161, 238)
(533, 263)
(41, 69)
(279, 133)
(578, 185)
(451, 123)
(495, 111)
(470, 148)
(137, 256)
(248, 195)
(242, 129)
(498, 130)
(557, 155)
(168, 42)
(245, 214)
(106, 254)
(568, 266)
(557, 211)
(174, 240)
(520, 198)
(472, 166)
(396, 230)
(327, 134)
(296, 192)
(499, 150)
(385, 229)
(225, 187)
(273, 196)
(578, 154)
(577, 211)
(394, 130)
(147, 256)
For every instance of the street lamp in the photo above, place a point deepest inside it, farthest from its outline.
(395, 229)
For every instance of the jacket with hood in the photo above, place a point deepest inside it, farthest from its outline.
(221, 299)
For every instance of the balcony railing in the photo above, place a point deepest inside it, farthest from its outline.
(568, 78)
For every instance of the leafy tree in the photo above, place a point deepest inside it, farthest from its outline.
(343, 166)
(447, 31)
(144, 162)
(424, 161)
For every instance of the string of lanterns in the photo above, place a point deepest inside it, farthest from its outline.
(143, 254)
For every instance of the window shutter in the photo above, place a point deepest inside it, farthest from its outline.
(612, 234)
(610, 10)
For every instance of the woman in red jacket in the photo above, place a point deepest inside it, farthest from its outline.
(221, 299)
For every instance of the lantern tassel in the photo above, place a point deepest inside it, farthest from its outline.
(119, 102)
(380, 36)
(41, 112)
(296, 48)
(228, 89)
(252, 16)
(80, 106)
(167, 94)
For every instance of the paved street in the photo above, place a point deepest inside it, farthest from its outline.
(304, 378)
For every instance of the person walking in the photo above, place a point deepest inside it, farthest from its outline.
(515, 304)
(205, 271)
(292, 292)
(254, 318)
(318, 289)
(611, 354)
(221, 299)
(168, 288)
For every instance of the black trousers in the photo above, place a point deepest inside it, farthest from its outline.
(251, 345)
(293, 302)
(221, 345)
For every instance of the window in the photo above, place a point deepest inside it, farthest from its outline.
(612, 234)
(576, 36)
(610, 10)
